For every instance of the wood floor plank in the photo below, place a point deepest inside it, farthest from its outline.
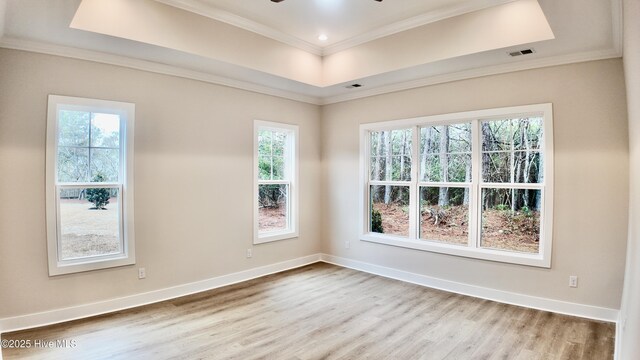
(323, 311)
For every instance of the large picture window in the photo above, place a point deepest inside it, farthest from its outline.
(276, 188)
(89, 184)
(475, 184)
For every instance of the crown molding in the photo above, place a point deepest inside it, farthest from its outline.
(150, 66)
(211, 12)
(475, 73)
(411, 23)
(144, 65)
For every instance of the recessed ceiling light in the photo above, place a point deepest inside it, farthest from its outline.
(323, 37)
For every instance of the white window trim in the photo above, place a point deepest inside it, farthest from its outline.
(127, 256)
(542, 259)
(292, 231)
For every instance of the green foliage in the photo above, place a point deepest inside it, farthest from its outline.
(98, 196)
(376, 222)
(502, 207)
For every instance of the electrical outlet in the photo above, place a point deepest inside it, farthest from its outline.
(249, 253)
(573, 281)
(347, 244)
(142, 273)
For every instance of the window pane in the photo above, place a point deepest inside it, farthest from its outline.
(444, 214)
(73, 128)
(445, 152)
(390, 155)
(73, 164)
(511, 219)
(496, 135)
(89, 223)
(527, 133)
(105, 130)
(278, 168)
(429, 140)
(496, 167)
(105, 165)
(527, 167)
(264, 143)
(459, 168)
(390, 209)
(460, 137)
(273, 207)
(401, 168)
(431, 169)
(279, 143)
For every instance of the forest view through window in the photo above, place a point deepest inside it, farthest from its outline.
(470, 182)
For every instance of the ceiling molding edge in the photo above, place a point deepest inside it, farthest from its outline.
(150, 66)
(476, 73)
(197, 7)
(410, 23)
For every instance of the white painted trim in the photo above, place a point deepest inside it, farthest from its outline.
(411, 23)
(150, 66)
(292, 167)
(475, 73)
(125, 183)
(473, 250)
(214, 13)
(102, 307)
(618, 337)
(506, 297)
(144, 65)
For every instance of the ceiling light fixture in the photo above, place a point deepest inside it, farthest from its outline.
(323, 37)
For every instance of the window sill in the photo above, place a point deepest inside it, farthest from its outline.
(88, 264)
(536, 260)
(275, 236)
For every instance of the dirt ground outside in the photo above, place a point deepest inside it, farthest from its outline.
(272, 218)
(500, 228)
(88, 232)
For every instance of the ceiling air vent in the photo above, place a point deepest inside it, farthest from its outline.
(353, 86)
(521, 52)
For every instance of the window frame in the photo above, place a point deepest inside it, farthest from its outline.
(473, 249)
(125, 183)
(291, 158)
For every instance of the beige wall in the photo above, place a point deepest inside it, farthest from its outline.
(193, 179)
(591, 179)
(194, 175)
(630, 314)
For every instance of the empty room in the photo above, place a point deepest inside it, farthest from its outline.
(320, 179)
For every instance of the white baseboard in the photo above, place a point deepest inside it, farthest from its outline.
(87, 310)
(102, 307)
(556, 306)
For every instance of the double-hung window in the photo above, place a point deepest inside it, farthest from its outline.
(89, 176)
(476, 184)
(275, 181)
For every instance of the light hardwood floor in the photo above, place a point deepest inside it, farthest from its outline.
(323, 311)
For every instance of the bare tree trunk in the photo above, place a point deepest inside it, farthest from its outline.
(402, 153)
(443, 196)
(387, 169)
(486, 139)
(467, 178)
(425, 151)
(527, 162)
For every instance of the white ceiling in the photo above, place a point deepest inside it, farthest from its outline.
(584, 30)
(340, 20)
